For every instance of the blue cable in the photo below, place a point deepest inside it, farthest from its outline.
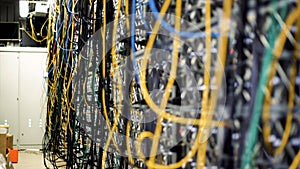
(68, 8)
(57, 34)
(148, 28)
(172, 29)
(50, 70)
(132, 40)
(69, 23)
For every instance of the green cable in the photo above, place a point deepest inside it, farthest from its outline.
(274, 31)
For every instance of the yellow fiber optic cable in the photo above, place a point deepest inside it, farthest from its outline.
(119, 86)
(127, 14)
(171, 80)
(144, 89)
(296, 161)
(201, 154)
(222, 54)
(266, 108)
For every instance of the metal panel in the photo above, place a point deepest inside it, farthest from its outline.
(9, 10)
(9, 92)
(32, 98)
(2, 13)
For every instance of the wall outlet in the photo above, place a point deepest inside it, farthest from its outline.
(29, 123)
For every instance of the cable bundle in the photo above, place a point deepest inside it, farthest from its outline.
(172, 84)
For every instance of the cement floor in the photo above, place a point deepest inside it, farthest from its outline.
(29, 160)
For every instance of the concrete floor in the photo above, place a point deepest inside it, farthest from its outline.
(29, 160)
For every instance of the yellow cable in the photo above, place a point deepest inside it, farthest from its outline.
(41, 31)
(128, 147)
(50, 41)
(113, 52)
(140, 138)
(296, 161)
(127, 14)
(207, 113)
(266, 108)
(171, 80)
(201, 155)
(166, 95)
(36, 40)
(144, 89)
(32, 27)
(63, 104)
(109, 140)
(32, 35)
(218, 75)
(103, 32)
(143, 85)
(282, 36)
(72, 70)
(142, 76)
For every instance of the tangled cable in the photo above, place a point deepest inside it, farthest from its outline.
(135, 84)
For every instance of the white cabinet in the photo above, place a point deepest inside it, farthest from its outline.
(23, 93)
(9, 91)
